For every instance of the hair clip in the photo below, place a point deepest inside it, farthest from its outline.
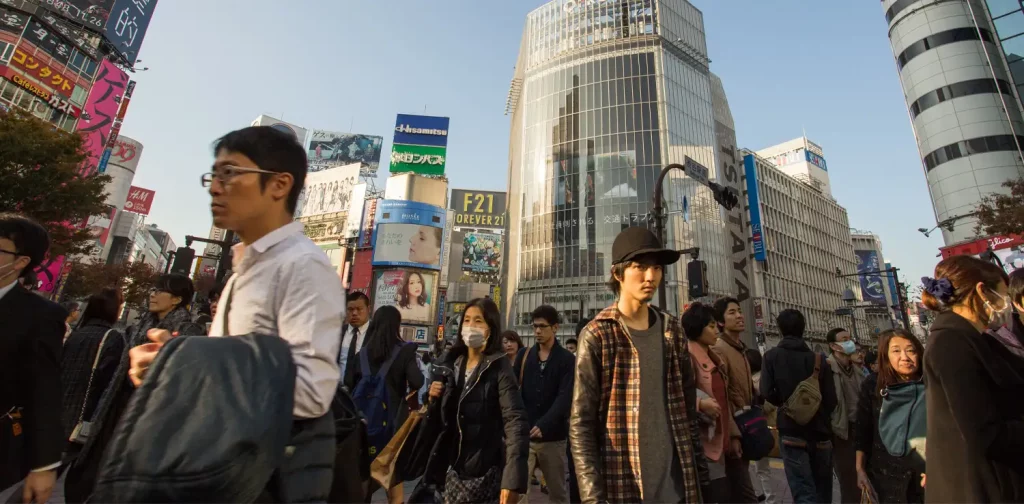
(941, 289)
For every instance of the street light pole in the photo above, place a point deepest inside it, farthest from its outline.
(659, 221)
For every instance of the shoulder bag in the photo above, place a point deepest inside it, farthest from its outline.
(83, 429)
(903, 420)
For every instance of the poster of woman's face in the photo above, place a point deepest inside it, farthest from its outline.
(408, 245)
(411, 291)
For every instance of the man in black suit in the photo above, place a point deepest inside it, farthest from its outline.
(31, 436)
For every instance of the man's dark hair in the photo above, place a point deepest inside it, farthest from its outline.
(546, 312)
(357, 296)
(30, 239)
(69, 306)
(791, 323)
(572, 340)
(618, 270)
(581, 325)
(271, 150)
(1016, 286)
(104, 306)
(832, 333)
(177, 285)
(695, 319)
(754, 359)
(721, 306)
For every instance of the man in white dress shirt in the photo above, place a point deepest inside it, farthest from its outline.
(282, 284)
(353, 338)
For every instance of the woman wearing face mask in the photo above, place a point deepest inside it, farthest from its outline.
(974, 385)
(487, 406)
(890, 479)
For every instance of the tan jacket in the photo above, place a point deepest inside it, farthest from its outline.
(741, 385)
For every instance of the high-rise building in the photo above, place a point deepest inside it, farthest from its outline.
(961, 97)
(800, 238)
(604, 95)
(801, 159)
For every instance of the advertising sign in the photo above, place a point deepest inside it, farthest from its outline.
(297, 132)
(42, 72)
(139, 200)
(100, 113)
(369, 219)
(12, 22)
(362, 270)
(421, 130)
(481, 253)
(409, 290)
(446, 252)
(871, 287)
(816, 160)
(479, 209)
(92, 14)
(328, 149)
(1012, 258)
(44, 38)
(357, 200)
(756, 234)
(414, 334)
(408, 233)
(420, 159)
(48, 274)
(127, 25)
(37, 90)
(327, 191)
(85, 40)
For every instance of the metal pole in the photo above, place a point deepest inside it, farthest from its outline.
(902, 298)
(853, 319)
(659, 222)
(223, 264)
(170, 258)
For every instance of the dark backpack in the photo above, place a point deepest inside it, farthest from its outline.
(373, 400)
(210, 423)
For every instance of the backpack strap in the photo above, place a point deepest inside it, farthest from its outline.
(522, 365)
(383, 372)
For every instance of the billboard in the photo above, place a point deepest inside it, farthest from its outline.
(327, 191)
(871, 287)
(48, 274)
(756, 232)
(479, 209)
(139, 200)
(409, 290)
(418, 159)
(354, 219)
(408, 233)
(12, 21)
(295, 131)
(362, 270)
(43, 73)
(328, 149)
(91, 14)
(421, 130)
(481, 252)
(369, 218)
(127, 24)
(45, 39)
(99, 114)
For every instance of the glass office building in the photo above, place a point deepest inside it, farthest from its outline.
(605, 94)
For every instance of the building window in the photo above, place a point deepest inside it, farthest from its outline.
(6, 50)
(940, 39)
(78, 95)
(85, 65)
(966, 88)
(968, 147)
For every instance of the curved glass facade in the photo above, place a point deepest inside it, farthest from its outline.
(605, 103)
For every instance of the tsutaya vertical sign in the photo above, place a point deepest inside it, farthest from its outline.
(729, 175)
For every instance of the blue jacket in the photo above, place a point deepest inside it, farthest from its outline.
(547, 394)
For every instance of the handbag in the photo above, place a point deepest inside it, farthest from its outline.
(757, 440)
(383, 468)
(903, 420)
(80, 434)
(486, 488)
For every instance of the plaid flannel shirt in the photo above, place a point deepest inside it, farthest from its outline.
(616, 434)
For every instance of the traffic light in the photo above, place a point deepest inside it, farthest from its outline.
(183, 260)
(725, 196)
(697, 278)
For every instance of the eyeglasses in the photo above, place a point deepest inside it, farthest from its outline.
(225, 173)
(154, 290)
(15, 254)
(541, 326)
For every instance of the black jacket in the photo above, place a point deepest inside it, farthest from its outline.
(894, 479)
(80, 352)
(489, 408)
(547, 394)
(31, 336)
(403, 377)
(785, 366)
(975, 415)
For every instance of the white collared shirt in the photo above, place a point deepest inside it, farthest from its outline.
(9, 288)
(284, 284)
(347, 340)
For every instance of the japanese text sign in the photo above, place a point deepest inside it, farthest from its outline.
(12, 22)
(139, 200)
(44, 73)
(46, 39)
(418, 159)
(127, 25)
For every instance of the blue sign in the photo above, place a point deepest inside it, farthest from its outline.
(408, 234)
(894, 297)
(421, 130)
(127, 25)
(815, 160)
(871, 287)
(102, 167)
(756, 231)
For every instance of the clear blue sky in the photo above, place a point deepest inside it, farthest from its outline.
(787, 65)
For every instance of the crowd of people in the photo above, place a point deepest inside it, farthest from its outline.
(641, 406)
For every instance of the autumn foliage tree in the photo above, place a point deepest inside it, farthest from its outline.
(132, 279)
(1003, 214)
(39, 178)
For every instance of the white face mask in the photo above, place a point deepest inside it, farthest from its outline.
(473, 337)
(1000, 318)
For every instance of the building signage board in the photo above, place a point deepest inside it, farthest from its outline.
(816, 160)
(139, 200)
(419, 159)
(28, 85)
(696, 171)
(871, 287)
(369, 216)
(327, 191)
(357, 202)
(409, 290)
(127, 24)
(38, 70)
(92, 14)
(47, 40)
(446, 252)
(756, 231)
(481, 252)
(408, 233)
(421, 130)
(328, 149)
(479, 209)
(12, 22)
(100, 113)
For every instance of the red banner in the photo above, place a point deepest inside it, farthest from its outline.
(978, 246)
(43, 72)
(139, 200)
(362, 270)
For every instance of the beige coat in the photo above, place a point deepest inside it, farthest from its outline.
(741, 384)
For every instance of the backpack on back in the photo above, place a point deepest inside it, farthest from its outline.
(373, 399)
(805, 400)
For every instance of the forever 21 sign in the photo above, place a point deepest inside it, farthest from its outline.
(479, 209)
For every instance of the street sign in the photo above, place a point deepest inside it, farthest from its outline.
(696, 171)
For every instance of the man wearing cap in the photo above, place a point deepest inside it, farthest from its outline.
(633, 375)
